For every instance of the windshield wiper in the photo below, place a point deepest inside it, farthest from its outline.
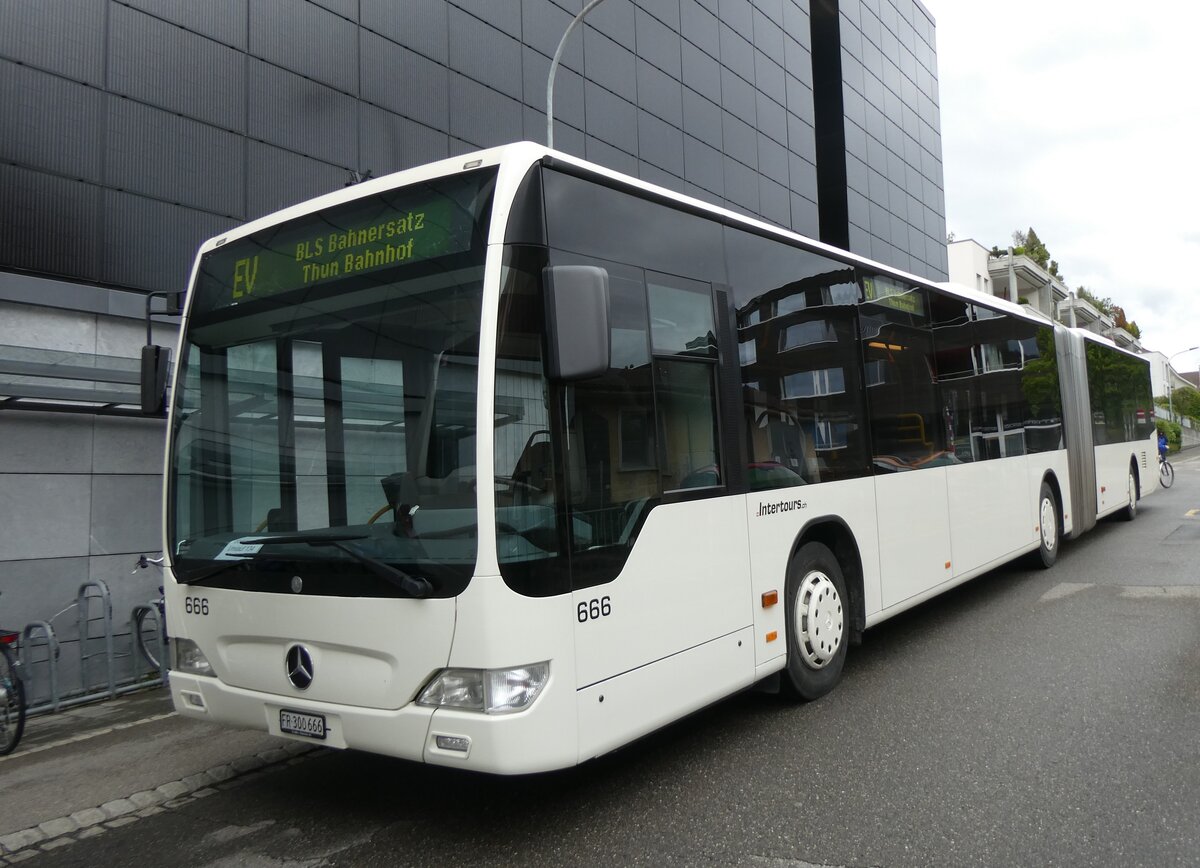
(414, 586)
(202, 576)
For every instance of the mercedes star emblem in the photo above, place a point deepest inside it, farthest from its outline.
(299, 666)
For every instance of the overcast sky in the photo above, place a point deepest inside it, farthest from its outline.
(1081, 119)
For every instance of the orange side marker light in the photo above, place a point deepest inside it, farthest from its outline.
(773, 635)
(769, 599)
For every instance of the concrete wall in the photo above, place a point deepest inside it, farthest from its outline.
(80, 494)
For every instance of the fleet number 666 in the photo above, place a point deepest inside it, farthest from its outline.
(590, 610)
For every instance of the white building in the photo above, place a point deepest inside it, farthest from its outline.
(1021, 280)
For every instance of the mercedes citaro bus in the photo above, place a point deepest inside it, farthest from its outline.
(504, 461)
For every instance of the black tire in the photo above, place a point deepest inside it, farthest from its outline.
(1047, 552)
(148, 633)
(12, 703)
(1166, 474)
(1129, 513)
(816, 601)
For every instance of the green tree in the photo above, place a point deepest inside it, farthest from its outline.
(1186, 400)
(1029, 244)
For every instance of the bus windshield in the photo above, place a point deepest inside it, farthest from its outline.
(324, 417)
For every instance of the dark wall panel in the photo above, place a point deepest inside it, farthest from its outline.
(391, 142)
(61, 36)
(404, 82)
(609, 65)
(703, 165)
(157, 62)
(151, 243)
(660, 94)
(568, 90)
(222, 20)
(193, 114)
(421, 25)
(485, 54)
(62, 141)
(482, 116)
(502, 14)
(659, 143)
(168, 157)
(301, 115)
(48, 223)
(276, 178)
(307, 39)
(610, 118)
(659, 43)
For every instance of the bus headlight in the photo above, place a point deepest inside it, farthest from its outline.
(187, 657)
(492, 691)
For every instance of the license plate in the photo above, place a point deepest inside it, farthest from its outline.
(299, 723)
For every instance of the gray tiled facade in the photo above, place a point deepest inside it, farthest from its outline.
(896, 204)
(134, 129)
(215, 113)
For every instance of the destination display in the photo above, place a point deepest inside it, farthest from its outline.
(392, 229)
(898, 296)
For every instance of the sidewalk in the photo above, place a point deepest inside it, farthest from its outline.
(100, 766)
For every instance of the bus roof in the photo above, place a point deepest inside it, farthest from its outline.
(525, 154)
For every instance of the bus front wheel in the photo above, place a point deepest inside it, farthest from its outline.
(818, 617)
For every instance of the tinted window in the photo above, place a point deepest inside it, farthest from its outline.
(908, 431)
(997, 381)
(1119, 392)
(798, 344)
(594, 220)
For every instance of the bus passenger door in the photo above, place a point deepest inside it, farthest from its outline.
(659, 552)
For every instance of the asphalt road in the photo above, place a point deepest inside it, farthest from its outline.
(1027, 718)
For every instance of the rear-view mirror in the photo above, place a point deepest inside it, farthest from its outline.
(155, 363)
(577, 321)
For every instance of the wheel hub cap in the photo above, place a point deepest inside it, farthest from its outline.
(819, 619)
(1049, 525)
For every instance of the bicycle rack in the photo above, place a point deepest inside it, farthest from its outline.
(36, 635)
(88, 593)
(160, 646)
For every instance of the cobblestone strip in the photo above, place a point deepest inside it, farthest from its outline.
(90, 822)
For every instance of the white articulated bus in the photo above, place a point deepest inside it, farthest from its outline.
(504, 461)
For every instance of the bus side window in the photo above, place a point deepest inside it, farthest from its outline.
(907, 427)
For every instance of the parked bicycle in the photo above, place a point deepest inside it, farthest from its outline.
(12, 694)
(150, 622)
(1166, 473)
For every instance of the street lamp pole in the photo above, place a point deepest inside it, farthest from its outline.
(554, 68)
(1171, 382)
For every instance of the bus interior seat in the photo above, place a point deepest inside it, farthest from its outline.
(535, 469)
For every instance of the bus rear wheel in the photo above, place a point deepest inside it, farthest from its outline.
(1047, 552)
(1129, 513)
(817, 621)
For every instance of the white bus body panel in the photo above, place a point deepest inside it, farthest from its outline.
(493, 632)
(914, 532)
(395, 646)
(1112, 473)
(775, 522)
(621, 709)
(683, 585)
(398, 733)
(665, 648)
